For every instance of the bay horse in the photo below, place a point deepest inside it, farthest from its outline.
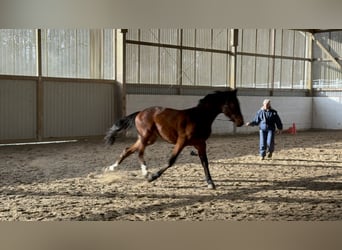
(187, 127)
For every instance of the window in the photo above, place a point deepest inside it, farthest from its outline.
(269, 59)
(78, 53)
(191, 57)
(18, 52)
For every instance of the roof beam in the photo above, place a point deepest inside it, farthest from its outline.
(327, 52)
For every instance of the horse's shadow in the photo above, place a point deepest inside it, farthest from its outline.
(241, 193)
(179, 201)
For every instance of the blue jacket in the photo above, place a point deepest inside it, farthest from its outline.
(267, 120)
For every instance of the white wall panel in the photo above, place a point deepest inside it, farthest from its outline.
(247, 71)
(133, 34)
(132, 64)
(169, 61)
(220, 39)
(203, 69)
(188, 67)
(78, 53)
(286, 73)
(149, 67)
(203, 38)
(189, 37)
(299, 44)
(327, 112)
(298, 74)
(149, 35)
(18, 52)
(326, 74)
(220, 70)
(263, 41)
(247, 43)
(170, 36)
(336, 44)
(287, 43)
(262, 70)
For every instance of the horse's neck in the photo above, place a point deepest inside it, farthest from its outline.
(208, 113)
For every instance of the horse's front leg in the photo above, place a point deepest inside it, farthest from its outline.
(153, 176)
(204, 161)
(202, 153)
(176, 151)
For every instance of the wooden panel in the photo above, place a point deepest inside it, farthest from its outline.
(18, 118)
(77, 109)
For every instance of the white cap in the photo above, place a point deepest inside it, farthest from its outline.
(266, 101)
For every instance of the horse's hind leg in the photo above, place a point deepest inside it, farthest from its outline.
(148, 140)
(140, 146)
(127, 152)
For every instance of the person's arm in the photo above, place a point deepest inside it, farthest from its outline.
(255, 121)
(278, 122)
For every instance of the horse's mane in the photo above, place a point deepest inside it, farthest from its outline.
(214, 97)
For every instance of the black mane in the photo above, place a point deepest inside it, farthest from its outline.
(216, 97)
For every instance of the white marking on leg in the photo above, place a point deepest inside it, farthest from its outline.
(144, 170)
(111, 167)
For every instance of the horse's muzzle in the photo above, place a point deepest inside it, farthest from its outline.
(239, 122)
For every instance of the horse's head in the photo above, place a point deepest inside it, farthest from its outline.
(223, 102)
(231, 107)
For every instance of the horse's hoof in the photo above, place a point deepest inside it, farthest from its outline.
(111, 167)
(151, 177)
(211, 186)
(193, 153)
(106, 169)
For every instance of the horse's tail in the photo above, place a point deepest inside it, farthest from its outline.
(120, 126)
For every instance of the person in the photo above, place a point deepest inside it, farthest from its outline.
(267, 119)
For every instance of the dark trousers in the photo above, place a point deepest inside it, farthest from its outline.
(266, 141)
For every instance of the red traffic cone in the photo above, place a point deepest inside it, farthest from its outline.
(293, 130)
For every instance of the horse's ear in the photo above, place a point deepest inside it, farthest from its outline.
(235, 91)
